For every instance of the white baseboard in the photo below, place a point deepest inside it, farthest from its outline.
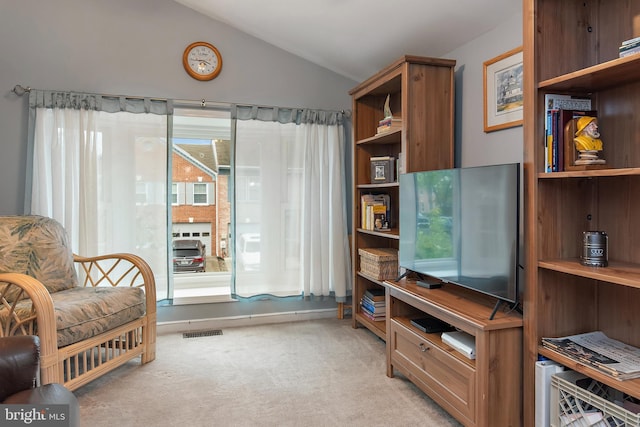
(248, 320)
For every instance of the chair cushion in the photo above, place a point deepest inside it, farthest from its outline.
(82, 313)
(37, 246)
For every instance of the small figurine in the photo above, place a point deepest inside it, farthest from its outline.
(387, 108)
(587, 141)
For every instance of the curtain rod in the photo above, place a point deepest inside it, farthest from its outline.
(21, 90)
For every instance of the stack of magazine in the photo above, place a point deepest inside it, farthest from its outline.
(611, 357)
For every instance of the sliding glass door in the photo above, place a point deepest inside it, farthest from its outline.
(200, 211)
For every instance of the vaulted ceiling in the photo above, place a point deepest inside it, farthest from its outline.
(356, 38)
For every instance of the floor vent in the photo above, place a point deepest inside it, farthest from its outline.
(197, 334)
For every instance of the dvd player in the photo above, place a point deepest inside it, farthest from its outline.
(431, 325)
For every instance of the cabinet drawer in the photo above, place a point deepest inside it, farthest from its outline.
(444, 378)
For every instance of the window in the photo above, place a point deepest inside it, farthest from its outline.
(247, 184)
(200, 194)
(174, 194)
(141, 193)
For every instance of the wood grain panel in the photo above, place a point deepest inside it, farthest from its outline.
(567, 304)
(619, 321)
(618, 120)
(615, 24)
(566, 37)
(619, 207)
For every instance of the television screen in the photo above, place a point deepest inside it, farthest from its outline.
(461, 226)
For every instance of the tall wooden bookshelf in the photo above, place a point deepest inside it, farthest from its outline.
(571, 47)
(421, 94)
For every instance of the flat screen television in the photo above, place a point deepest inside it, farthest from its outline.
(462, 226)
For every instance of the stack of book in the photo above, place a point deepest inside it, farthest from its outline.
(559, 110)
(373, 304)
(388, 124)
(376, 210)
(629, 47)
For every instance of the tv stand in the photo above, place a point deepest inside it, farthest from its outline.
(486, 391)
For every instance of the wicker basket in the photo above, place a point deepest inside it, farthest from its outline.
(577, 400)
(379, 263)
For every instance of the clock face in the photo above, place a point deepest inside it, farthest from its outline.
(202, 61)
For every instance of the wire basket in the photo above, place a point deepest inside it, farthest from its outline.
(579, 401)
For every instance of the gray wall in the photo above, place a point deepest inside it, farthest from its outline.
(135, 48)
(474, 147)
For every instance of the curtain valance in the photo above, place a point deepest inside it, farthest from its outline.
(97, 102)
(286, 115)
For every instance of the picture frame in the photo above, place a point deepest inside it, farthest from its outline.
(503, 91)
(382, 169)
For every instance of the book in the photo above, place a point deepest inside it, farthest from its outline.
(388, 124)
(628, 52)
(380, 222)
(375, 294)
(380, 315)
(372, 308)
(631, 41)
(629, 44)
(368, 201)
(372, 317)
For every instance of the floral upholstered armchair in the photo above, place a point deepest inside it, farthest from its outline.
(92, 314)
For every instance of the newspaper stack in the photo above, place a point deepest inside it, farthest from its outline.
(611, 357)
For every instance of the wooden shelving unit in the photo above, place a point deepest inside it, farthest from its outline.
(421, 92)
(571, 47)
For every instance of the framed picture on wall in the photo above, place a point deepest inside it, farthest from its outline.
(503, 91)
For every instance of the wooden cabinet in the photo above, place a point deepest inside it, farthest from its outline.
(420, 92)
(571, 47)
(485, 391)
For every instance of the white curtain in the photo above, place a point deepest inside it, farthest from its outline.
(290, 196)
(102, 174)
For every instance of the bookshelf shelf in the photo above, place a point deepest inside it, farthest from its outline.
(620, 273)
(590, 173)
(378, 328)
(394, 233)
(423, 141)
(377, 186)
(390, 137)
(614, 73)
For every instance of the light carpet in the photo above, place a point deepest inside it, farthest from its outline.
(309, 373)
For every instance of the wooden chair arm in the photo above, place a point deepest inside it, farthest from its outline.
(40, 320)
(120, 269)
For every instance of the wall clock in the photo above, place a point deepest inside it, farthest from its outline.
(202, 61)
